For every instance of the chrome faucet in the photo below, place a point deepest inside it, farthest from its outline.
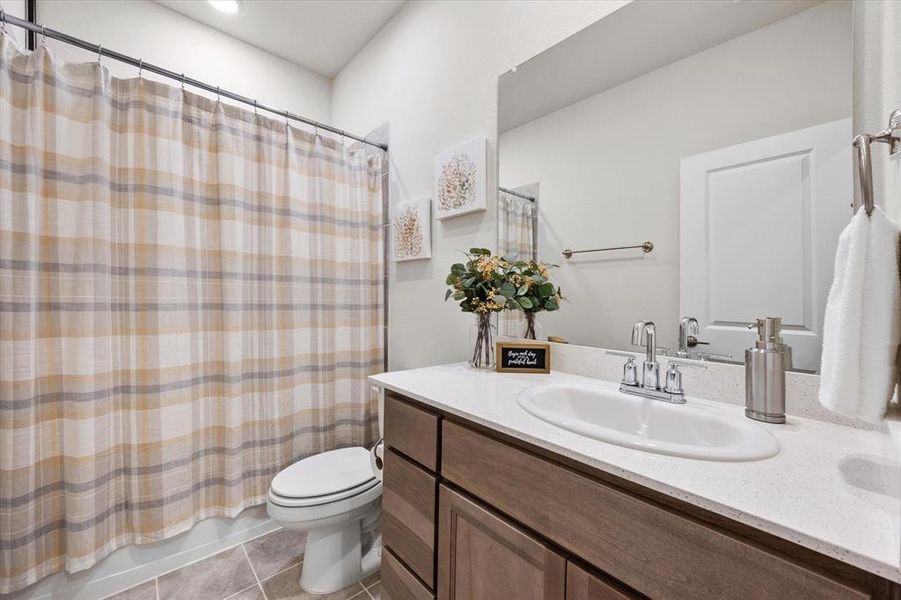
(688, 327)
(688, 337)
(644, 333)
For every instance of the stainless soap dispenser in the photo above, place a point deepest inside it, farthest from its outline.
(765, 366)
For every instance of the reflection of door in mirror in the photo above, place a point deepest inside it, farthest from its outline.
(760, 221)
(517, 238)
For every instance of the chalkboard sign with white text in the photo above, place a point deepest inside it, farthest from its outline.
(523, 357)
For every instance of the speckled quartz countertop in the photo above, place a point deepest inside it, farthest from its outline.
(830, 488)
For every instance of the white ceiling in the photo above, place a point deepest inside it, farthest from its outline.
(636, 39)
(320, 35)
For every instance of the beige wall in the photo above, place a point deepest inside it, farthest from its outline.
(432, 74)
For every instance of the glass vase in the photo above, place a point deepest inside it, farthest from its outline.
(532, 329)
(482, 337)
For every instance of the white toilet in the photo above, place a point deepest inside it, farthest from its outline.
(336, 498)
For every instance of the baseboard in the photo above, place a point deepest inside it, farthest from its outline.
(135, 564)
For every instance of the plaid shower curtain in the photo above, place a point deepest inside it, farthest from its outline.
(190, 299)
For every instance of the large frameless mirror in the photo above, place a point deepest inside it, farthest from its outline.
(687, 163)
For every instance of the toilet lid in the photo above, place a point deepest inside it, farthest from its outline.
(324, 474)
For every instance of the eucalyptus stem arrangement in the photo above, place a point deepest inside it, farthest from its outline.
(534, 291)
(487, 284)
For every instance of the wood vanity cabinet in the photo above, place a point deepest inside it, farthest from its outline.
(470, 514)
(398, 583)
(411, 431)
(409, 500)
(408, 515)
(583, 585)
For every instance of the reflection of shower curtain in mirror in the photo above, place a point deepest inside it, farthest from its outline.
(515, 240)
(190, 300)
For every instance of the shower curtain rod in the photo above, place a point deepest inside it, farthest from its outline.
(141, 65)
(517, 194)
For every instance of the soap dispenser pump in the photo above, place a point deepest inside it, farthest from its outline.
(765, 366)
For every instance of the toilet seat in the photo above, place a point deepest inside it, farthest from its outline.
(291, 502)
(312, 513)
(323, 478)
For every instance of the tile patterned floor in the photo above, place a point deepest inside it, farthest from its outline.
(267, 568)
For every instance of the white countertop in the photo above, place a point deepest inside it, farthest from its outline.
(831, 488)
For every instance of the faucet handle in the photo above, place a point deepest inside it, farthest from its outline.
(673, 379)
(630, 372)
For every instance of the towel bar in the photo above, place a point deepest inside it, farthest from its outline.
(645, 247)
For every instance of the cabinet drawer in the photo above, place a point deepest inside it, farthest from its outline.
(408, 514)
(411, 431)
(398, 583)
(582, 585)
(656, 551)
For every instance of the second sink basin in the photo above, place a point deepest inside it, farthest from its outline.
(604, 413)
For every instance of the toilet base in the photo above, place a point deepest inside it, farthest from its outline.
(372, 561)
(333, 559)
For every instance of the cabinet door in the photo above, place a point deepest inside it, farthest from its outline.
(582, 585)
(482, 556)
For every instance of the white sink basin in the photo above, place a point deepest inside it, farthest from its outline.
(604, 413)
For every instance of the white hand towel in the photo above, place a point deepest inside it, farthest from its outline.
(862, 325)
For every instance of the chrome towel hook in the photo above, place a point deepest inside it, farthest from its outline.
(891, 135)
(864, 171)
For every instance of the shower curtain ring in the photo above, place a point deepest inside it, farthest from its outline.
(140, 68)
(2, 20)
(182, 82)
(43, 36)
(218, 99)
(286, 119)
(99, 54)
(255, 107)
